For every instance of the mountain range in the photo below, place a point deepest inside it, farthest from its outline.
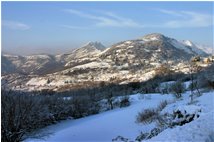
(126, 60)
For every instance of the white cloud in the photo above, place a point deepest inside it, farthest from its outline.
(75, 27)
(173, 13)
(181, 19)
(14, 25)
(188, 19)
(107, 19)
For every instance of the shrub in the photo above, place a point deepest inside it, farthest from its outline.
(147, 116)
(162, 105)
(177, 89)
(124, 102)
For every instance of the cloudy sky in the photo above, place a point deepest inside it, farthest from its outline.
(54, 27)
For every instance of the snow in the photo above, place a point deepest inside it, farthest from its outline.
(196, 131)
(35, 57)
(130, 46)
(206, 48)
(107, 125)
(120, 45)
(147, 75)
(181, 46)
(193, 47)
(128, 42)
(187, 42)
(93, 65)
(150, 39)
(37, 81)
(122, 122)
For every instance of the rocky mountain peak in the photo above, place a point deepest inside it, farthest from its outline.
(97, 45)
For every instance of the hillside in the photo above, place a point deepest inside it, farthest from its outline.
(126, 61)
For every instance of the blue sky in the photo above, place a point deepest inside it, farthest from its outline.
(53, 27)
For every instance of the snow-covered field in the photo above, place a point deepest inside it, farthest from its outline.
(122, 122)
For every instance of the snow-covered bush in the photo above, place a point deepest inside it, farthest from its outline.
(177, 89)
(124, 101)
(166, 117)
(145, 136)
(184, 114)
(141, 137)
(120, 139)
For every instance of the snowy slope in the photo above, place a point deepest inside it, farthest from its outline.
(198, 130)
(205, 48)
(193, 47)
(107, 125)
(122, 122)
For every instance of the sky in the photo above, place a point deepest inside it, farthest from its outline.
(59, 27)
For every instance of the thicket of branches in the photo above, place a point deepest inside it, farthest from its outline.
(24, 112)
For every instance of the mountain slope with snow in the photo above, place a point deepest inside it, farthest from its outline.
(44, 63)
(126, 61)
(86, 53)
(32, 64)
(206, 48)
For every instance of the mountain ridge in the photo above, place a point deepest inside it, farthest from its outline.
(146, 47)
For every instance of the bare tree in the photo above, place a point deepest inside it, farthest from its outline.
(110, 100)
(193, 70)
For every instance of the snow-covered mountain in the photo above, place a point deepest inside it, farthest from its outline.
(153, 48)
(88, 50)
(205, 48)
(185, 45)
(32, 64)
(131, 60)
(44, 63)
(195, 48)
(84, 54)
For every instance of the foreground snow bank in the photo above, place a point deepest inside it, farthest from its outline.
(196, 131)
(199, 130)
